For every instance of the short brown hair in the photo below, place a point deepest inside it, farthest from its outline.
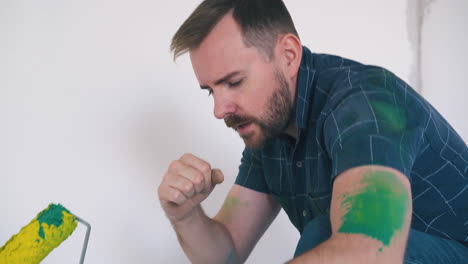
(261, 22)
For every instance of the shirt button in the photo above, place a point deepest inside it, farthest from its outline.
(304, 213)
(299, 164)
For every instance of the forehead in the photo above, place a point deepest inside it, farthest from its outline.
(221, 52)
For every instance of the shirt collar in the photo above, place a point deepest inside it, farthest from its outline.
(306, 75)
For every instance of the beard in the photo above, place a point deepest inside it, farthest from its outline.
(276, 119)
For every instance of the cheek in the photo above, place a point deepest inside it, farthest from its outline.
(258, 90)
(258, 102)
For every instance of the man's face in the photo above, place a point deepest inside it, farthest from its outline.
(251, 94)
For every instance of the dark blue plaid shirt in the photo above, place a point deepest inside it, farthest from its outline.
(348, 115)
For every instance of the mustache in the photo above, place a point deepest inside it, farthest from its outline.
(235, 120)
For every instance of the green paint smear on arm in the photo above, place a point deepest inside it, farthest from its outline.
(230, 205)
(378, 209)
(230, 257)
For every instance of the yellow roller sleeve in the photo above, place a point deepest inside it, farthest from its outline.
(37, 239)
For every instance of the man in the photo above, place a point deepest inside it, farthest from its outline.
(365, 168)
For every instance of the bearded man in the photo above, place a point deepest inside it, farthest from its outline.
(364, 167)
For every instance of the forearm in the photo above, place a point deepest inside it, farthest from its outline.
(205, 240)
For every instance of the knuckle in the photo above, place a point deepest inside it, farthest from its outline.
(205, 168)
(186, 156)
(165, 177)
(163, 194)
(160, 190)
(177, 196)
(163, 186)
(175, 164)
(198, 179)
(187, 188)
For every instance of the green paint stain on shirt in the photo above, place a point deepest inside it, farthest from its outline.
(378, 209)
(390, 114)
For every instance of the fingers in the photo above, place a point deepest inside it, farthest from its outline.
(217, 176)
(182, 184)
(177, 186)
(202, 166)
(171, 195)
(189, 178)
(186, 176)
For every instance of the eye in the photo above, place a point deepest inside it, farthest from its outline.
(210, 92)
(235, 84)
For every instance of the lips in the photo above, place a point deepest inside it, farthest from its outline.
(244, 128)
(243, 125)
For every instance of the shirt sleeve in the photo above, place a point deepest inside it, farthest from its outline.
(251, 172)
(369, 126)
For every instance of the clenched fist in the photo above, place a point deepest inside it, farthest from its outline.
(185, 185)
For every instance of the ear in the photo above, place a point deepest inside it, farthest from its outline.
(289, 52)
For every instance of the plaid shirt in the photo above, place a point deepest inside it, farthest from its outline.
(349, 115)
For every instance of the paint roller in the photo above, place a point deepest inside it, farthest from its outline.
(44, 233)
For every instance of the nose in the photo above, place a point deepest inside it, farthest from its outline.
(223, 107)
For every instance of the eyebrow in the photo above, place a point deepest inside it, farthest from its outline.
(222, 80)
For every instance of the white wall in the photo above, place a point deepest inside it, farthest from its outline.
(444, 44)
(92, 110)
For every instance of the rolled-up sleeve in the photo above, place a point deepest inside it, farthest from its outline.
(370, 127)
(251, 171)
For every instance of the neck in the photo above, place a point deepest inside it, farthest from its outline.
(292, 129)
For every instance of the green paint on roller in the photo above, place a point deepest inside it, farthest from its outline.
(51, 216)
(37, 239)
(378, 209)
(41, 232)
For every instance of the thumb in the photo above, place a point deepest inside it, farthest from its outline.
(217, 176)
